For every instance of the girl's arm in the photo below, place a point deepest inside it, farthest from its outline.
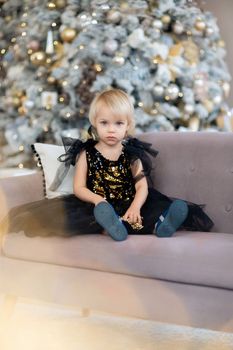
(133, 213)
(80, 180)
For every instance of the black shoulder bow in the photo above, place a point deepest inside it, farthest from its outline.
(140, 150)
(73, 148)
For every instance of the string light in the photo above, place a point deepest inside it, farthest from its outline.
(51, 5)
(98, 67)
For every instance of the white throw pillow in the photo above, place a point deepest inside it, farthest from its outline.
(47, 155)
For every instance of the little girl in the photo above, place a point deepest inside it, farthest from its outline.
(111, 184)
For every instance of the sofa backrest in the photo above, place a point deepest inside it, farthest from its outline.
(198, 167)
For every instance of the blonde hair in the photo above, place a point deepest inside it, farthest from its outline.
(119, 104)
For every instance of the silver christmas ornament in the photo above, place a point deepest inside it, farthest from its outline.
(172, 92)
(29, 104)
(110, 46)
(113, 16)
(84, 19)
(217, 99)
(189, 108)
(158, 24)
(158, 90)
(119, 60)
(200, 25)
(209, 31)
(178, 28)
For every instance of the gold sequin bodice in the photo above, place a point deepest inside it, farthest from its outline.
(110, 179)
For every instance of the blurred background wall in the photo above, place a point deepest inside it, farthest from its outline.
(223, 11)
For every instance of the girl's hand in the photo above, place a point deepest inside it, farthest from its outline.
(133, 215)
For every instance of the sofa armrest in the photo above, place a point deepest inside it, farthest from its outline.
(18, 190)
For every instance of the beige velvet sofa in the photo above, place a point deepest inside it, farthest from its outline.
(186, 279)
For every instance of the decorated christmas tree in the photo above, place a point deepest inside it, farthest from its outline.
(55, 55)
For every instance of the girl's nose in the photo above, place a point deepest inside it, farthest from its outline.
(111, 127)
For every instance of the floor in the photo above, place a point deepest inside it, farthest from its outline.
(41, 326)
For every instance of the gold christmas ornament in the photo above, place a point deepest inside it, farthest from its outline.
(60, 4)
(113, 16)
(22, 110)
(16, 102)
(38, 58)
(208, 105)
(19, 93)
(194, 123)
(157, 60)
(68, 34)
(221, 120)
(200, 25)
(8, 18)
(51, 80)
(221, 43)
(124, 6)
(226, 88)
(191, 51)
(176, 50)
(166, 19)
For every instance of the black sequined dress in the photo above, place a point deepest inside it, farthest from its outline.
(68, 215)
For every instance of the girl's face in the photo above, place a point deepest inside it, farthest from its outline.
(110, 128)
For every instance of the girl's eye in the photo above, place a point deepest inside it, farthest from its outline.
(103, 122)
(120, 123)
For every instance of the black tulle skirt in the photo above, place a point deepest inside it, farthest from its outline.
(68, 216)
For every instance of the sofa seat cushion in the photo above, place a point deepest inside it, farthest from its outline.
(188, 257)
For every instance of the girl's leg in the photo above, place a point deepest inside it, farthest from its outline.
(106, 216)
(171, 219)
(160, 211)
